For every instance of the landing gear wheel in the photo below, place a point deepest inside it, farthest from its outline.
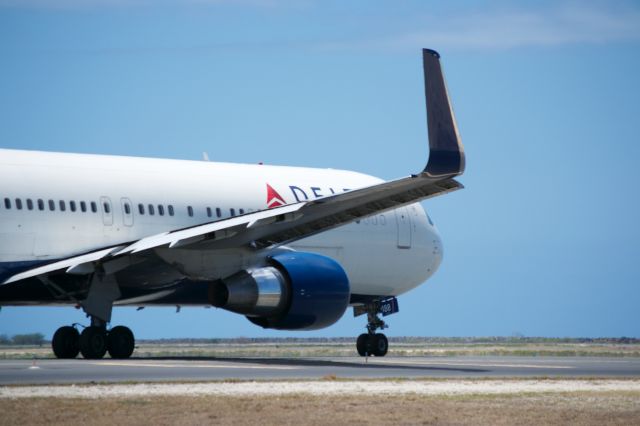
(65, 343)
(120, 342)
(93, 342)
(373, 343)
(380, 344)
(363, 346)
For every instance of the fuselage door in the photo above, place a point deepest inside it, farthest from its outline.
(127, 211)
(403, 222)
(107, 211)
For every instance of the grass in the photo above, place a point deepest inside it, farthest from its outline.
(296, 348)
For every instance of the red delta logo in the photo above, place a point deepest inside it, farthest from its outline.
(300, 194)
(273, 198)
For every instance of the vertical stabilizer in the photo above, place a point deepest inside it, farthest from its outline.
(446, 153)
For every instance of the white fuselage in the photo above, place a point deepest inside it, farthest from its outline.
(47, 203)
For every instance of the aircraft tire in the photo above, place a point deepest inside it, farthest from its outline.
(120, 342)
(380, 344)
(65, 343)
(93, 342)
(363, 345)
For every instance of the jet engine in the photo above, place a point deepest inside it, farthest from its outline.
(295, 291)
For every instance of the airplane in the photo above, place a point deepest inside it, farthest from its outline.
(290, 248)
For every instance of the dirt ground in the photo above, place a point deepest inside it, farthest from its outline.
(586, 408)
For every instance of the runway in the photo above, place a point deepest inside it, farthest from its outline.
(184, 369)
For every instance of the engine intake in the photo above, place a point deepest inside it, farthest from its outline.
(296, 291)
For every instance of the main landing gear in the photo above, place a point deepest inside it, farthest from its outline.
(94, 341)
(372, 343)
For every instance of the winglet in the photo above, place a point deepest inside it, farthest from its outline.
(446, 153)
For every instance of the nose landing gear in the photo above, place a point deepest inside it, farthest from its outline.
(372, 343)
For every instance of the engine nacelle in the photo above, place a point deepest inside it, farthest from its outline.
(296, 291)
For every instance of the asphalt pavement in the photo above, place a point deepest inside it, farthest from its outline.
(184, 369)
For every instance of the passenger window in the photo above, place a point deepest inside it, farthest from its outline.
(160, 209)
(106, 207)
(170, 208)
(52, 205)
(127, 208)
(141, 208)
(83, 206)
(62, 206)
(209, 212)
(94, 207)
(190, 210)
(232, 211)
(40, 204)
(72, 206)
(18, 204)
(151, 210)
(218, 212)
(7, 203)
(241, 211)
(29, 204)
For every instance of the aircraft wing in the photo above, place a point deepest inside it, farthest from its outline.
(292, 222)
(296, 221)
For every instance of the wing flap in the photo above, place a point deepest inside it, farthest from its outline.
(72, 264)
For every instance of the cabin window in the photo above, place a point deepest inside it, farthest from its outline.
(218, 212)
(7, 203)
(52, 205)
(190, 210)
(94, 207)
(72, 206)
(62, 206)
(106, 207)
(232, 211)
(241, 211)
(170, 209)
(83, 206)
(18, 204)
(40, 204)
(127, 208)
(141, 208)
(29, 204)
(209, 213)
(151, 210)
(160, 209)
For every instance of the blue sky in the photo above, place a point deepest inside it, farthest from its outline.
(543, 240)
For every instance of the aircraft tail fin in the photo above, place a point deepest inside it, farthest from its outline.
(446, 153)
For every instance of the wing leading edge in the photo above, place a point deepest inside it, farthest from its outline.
(288, 223)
